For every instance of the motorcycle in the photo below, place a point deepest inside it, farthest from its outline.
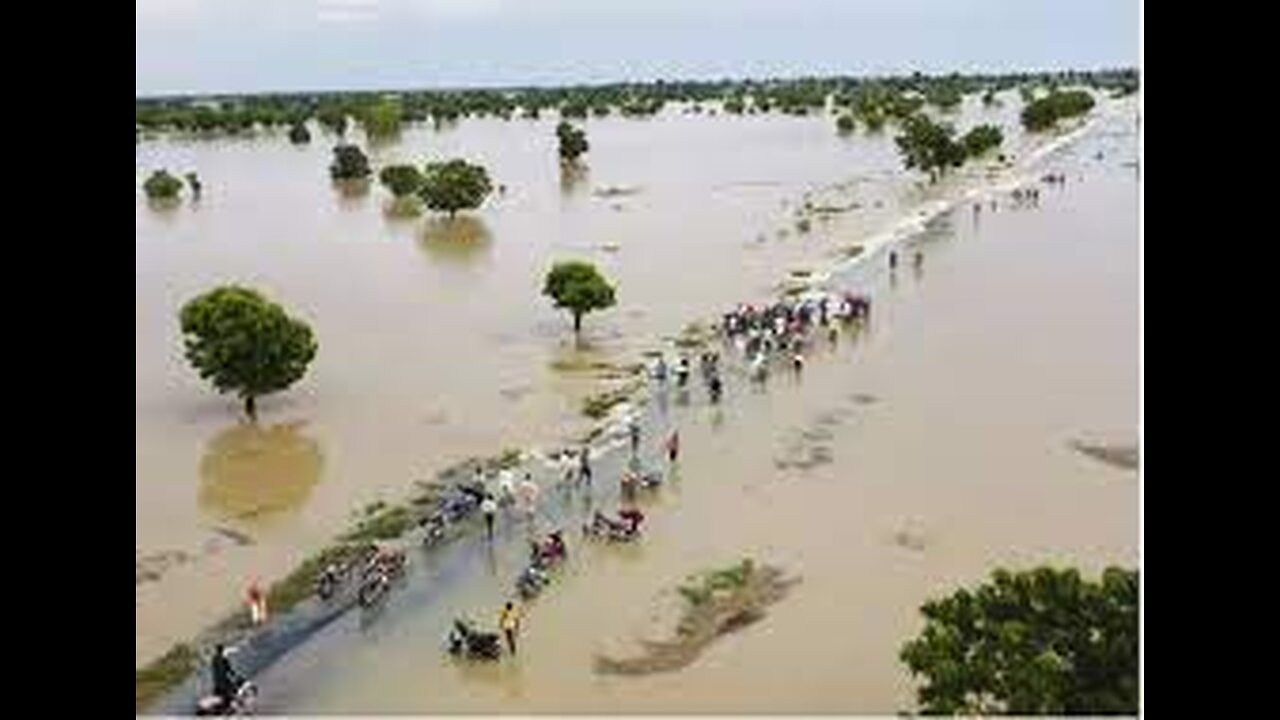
(239, 704)
(625, 528)
(462, 504)
(375, 583)
(465, 641)
(549, 552)
(531, 581)
(434, 529)
(327, 583)
(640, 480)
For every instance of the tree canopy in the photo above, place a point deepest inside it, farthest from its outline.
(242, 342)
(401, 180)
(161, 185)
(349, 163)
(1043, 641)
(454, 185)
(573, 142)
(929, 146)
(578, 287)
(1044, 113)
(981, 139)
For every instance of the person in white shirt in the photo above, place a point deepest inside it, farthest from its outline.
(506, 486)
(490, 509)
(527, 491)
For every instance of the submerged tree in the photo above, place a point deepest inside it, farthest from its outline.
(160, 185)
(981, 139)
(578, 287)
(401, 180)
(930, 147)
(454, 185)
(349, 163)
(382, 120)
(573, 142)
(243, 343)
(299, 134)
(1044, 113)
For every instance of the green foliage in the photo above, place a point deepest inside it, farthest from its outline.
(579, 288)
(299, 134)
(701, 587)
(845, 124)
(387, 524)
(929, 147)
(890, 97)
(382, 120)
(945, 96)
(349, 163)
(454, 185)
(1038, 642)
(158, 676)
(597, 406)
(162, 186)
(574, 109)
(243, 343)
(401, 180)
(333, 118)
(981, 139)
(573, 142)
(1044, 113)
(300, 584)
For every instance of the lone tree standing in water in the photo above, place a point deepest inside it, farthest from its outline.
(573, 142)
(578, 287)
(454, 185)
(243, 343)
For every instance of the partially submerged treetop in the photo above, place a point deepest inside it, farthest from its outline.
(401, 180)
(349, 163)
(243, 343)
(454, 185)
(573, 142)
(161, 185)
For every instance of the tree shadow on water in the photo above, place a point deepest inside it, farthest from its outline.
(251, 473)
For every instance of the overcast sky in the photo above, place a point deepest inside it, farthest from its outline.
(186, 46)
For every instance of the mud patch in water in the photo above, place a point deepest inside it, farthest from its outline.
(1124, 456)
(715, 604)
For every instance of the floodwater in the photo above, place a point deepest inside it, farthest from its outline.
(1018, 336)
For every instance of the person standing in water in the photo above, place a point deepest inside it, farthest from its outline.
(893, 259)
(509, 621)
(634, 430)
(584, 465)
(528, 493)
(673, 446)
(257, 604)
(490, 508)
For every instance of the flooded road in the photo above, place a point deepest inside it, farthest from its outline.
(917, 456)
(434, 342)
